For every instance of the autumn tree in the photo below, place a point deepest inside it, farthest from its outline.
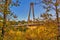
(46, 16)
(5, 9)
(53, 5)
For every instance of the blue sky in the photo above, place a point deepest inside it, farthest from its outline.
(23, 10)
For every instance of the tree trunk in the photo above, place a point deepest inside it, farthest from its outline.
(57, 16)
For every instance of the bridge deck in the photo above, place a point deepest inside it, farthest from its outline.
(34, 24)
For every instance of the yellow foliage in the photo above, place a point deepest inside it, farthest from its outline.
(38, 33)
(1, 24)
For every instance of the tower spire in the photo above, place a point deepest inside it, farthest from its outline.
(31, 9)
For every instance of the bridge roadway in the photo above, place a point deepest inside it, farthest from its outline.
(31, 24)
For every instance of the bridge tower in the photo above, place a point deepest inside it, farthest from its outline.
(31, 10)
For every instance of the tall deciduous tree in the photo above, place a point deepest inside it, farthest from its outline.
(53, 5)
(5, 9)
